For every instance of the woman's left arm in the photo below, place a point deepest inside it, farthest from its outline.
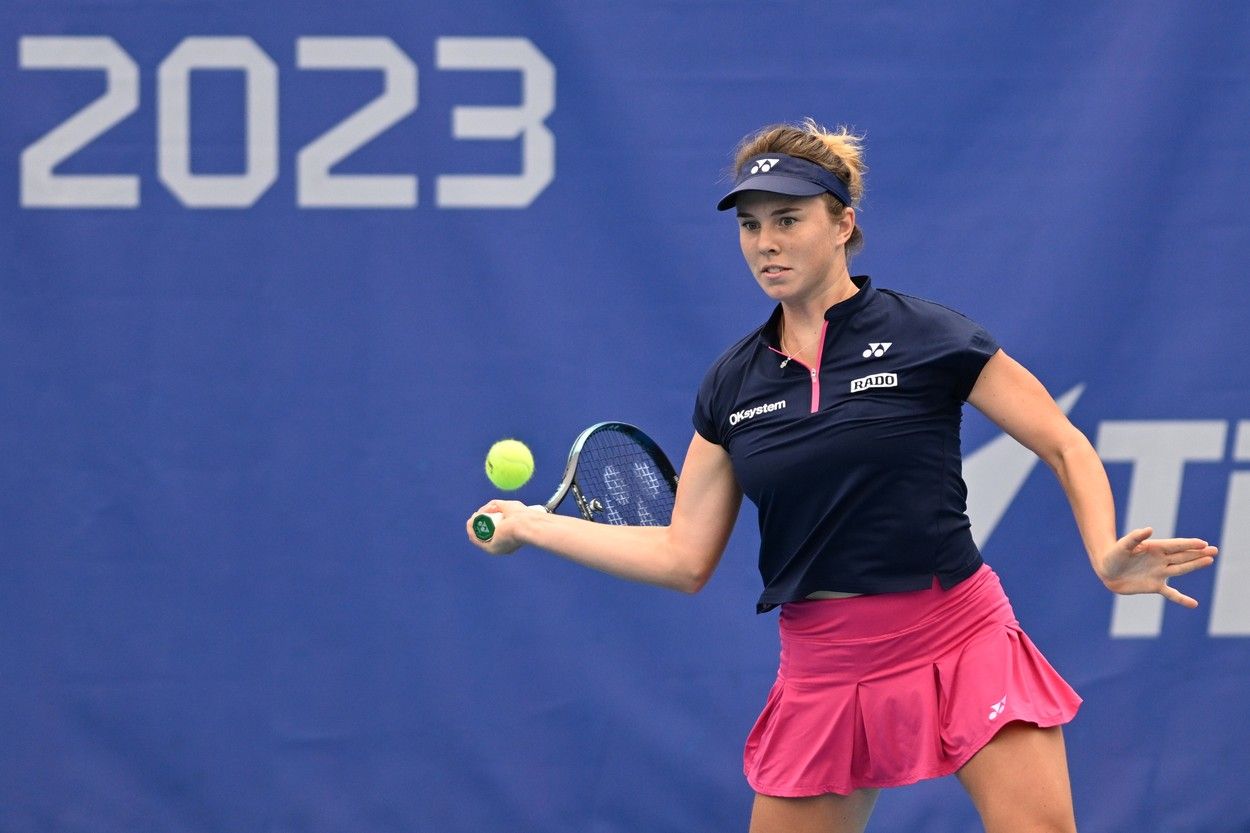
(1016, 401)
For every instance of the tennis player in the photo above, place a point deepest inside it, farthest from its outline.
(839, 418)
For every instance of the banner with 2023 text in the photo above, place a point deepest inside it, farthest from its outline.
(273, 277)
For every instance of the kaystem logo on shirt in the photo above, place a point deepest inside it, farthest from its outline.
(876, 380)
(748, 413)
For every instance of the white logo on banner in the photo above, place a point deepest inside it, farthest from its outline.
(1158, 451)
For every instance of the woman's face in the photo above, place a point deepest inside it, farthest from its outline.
(796, 250)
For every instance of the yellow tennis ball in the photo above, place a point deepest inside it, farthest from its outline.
(509, 464)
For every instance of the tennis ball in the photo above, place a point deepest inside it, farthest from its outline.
(509, 464)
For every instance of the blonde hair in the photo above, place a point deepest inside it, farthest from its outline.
(840, 152)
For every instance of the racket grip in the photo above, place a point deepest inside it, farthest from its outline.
(484, 525)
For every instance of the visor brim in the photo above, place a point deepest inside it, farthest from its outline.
(773, 184)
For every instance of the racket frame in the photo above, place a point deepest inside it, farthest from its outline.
(588, 507)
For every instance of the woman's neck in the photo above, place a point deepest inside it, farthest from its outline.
(803, 317)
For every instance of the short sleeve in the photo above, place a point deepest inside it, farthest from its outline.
(703, 407)
(980, 346)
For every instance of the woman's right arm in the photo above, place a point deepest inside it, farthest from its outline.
(681, 556)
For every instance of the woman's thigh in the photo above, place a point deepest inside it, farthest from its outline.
(829, 813)
(1019, 781)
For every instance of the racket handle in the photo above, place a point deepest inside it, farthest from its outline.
(484, 525)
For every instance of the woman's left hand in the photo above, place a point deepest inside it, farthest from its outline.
(1139, 564)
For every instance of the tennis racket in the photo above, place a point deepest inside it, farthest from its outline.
(616, 474)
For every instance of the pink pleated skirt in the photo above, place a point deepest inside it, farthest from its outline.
(885, 690)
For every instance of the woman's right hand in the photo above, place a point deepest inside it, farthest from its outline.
(505, 541)
(680, 556)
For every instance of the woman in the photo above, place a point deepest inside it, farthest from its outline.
(839, 417)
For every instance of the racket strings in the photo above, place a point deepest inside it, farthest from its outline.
(626, 478)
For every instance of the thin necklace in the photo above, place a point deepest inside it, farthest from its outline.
(790, 356)
(781, 342)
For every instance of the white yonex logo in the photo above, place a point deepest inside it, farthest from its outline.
(876, 349)
(997, 708)
(747, 413)
(764, 166)
(876, 380)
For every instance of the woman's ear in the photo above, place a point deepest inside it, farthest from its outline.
(845, 225)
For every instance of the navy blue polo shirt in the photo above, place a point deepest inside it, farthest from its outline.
(854, 465)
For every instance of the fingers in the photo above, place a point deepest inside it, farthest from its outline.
(1195, 560)
(1138, 542)
(1185, 556)
(1181, 568)
(1134, 539)
(1178, 550)
(1170, 546)
(1182, 556)
(1174, 595)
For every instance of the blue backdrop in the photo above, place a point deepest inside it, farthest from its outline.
(273, 276)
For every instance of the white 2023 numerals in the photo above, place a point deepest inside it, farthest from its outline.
(316, 187)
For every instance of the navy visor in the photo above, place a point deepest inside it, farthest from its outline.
(781, 174)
